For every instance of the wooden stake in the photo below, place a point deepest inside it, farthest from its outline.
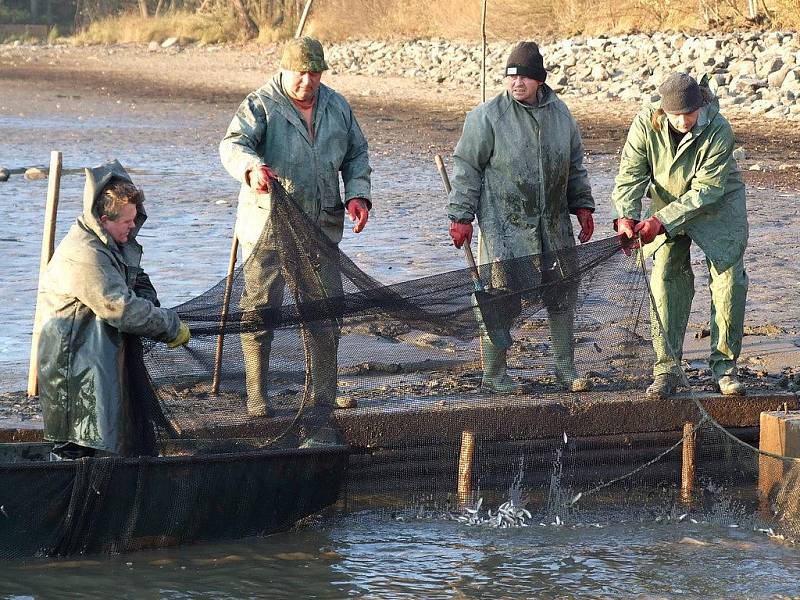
(483, 43)
(226, 300)
(303, 18)
(48, 242)
(688, 464)
(465, 463)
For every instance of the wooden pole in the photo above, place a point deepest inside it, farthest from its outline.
(48, 238)
(466, 459)
(226, 300)
(303, 18)
(689, 462)
(483, 47)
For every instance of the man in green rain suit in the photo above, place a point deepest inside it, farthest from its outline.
(93, 293)
(679, 153)
(518, 167)
(301, 132)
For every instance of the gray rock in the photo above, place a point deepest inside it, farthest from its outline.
(739, 153)
(35, 173)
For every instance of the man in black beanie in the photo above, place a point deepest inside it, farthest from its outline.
(518, 167)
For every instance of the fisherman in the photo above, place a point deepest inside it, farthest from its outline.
(298, 131)
(679, 153)
(518, 167)
(94, 297)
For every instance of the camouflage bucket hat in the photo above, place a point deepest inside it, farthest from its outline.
(303, 54)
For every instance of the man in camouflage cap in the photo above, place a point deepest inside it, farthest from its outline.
(302, 133)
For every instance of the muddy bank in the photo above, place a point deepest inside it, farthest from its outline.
(164, 114)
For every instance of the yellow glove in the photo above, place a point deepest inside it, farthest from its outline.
(182, 338)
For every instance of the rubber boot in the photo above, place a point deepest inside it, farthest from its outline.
(664, 386)
(256, 349)
(563, 345)
(495, 378)
(323, 347)
(730, 385)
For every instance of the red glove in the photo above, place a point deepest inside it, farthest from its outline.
(649, 229)
(258, 179)
(460, 232)
(359, 213)
(624, 227)
(587, 224)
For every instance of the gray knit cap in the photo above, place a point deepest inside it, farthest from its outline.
(680, 94)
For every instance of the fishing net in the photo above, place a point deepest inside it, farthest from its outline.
(246, 419)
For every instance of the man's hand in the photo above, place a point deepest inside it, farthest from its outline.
(460, 233)
(586, 221)
(258, 179)
(359, 213)
(649, 229)
(624, 227)
(182, 338)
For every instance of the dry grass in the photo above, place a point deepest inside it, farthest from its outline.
(132, 28)
(542, 20)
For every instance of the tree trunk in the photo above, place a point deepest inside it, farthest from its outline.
(245, 21)
(143, 9)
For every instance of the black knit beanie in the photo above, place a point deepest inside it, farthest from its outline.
(680, 94)
(526, 60)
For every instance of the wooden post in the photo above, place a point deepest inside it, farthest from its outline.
(752, 9)
(48, 237)
(226, 300)
(465, 462)
(143, 10)
(779, 435)
(483, 45)
(303, 18)
(689, 461)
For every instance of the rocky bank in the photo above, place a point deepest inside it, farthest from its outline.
(757, 72)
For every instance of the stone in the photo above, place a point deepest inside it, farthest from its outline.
(4, 174)
(169, 42)
(153, 46)
(739, 153)
(35, 173)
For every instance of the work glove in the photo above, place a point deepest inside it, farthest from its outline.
(359, 213)
(649, 229)
(586, 221)
(182, 338)
(460, 232)
(624, 227)
(258, 179)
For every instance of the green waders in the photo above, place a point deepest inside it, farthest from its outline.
(672, 283)
(264, 286)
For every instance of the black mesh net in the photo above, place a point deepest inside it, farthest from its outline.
(243, 431)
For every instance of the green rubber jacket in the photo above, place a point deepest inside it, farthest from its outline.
(695, 189)
(519, 169)
(267, 129)
(92, 293)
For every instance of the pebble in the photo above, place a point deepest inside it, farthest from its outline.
(4, 174)
(169, 42)
(35, 173)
